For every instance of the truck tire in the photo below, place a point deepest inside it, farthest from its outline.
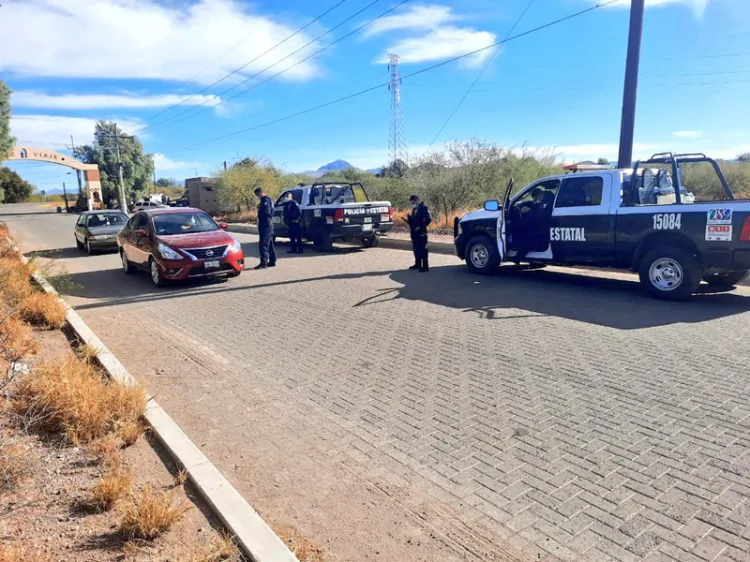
(669, 273)
(323, 242)
(727, 279)
(371, 241)
(481, 255)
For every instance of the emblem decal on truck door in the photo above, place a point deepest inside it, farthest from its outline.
(719, 216)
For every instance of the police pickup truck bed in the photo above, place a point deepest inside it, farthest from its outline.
(336, 211)
(641, 219)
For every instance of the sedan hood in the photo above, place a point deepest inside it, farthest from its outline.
(102, 230)
(197, 239)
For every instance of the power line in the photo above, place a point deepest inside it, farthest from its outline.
(236, 70)
(405, 77)
(479, 75)
(339, 40)
(196, 109)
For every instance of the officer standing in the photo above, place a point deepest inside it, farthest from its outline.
(418, 221)
(265, 230)
(293, 221)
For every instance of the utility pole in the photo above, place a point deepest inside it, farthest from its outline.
(630, 92)
(123, 201)
(65, 198)
(154, 179)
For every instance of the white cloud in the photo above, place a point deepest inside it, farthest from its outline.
(443, 43)
(698, 6)
(146, 39)
(40, 100)
(54, 131)
(431, 36)
(687, 134)
(163, 163)
(416, 17)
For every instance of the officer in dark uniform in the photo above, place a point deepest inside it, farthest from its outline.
(265, 230)
(418, 220)
(293, 221)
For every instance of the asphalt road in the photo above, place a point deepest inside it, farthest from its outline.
(392, 415)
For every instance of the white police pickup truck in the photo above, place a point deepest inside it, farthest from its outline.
(643, 220)
(335, 211)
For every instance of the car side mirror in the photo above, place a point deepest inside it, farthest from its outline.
(492, 205)
(223, 225)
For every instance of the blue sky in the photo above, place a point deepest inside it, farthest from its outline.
(71, 62)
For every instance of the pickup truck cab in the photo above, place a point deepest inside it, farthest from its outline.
(643, 220)
(335, 211)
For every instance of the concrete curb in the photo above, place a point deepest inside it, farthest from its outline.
(253, 535)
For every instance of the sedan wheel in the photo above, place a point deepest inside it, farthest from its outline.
(156, 274)
(126, 267)
(89, 250)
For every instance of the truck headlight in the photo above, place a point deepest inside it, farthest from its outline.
(168, 253)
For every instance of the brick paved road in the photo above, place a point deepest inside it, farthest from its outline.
(563, 417)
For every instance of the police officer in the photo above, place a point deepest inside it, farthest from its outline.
(418, 220)
(265, 230)
(293, 221)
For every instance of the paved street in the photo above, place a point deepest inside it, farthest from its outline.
(398, 416)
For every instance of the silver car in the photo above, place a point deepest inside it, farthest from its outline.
(97, 230)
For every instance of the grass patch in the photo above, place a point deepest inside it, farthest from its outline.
(16, 338)
(301, 547)
(106, 450)
(149, 513)
(70, 397)
(222, 549)
(130, 431)
(44, 310)
(13, 466)
(113, 485)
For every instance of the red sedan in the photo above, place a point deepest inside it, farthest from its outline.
(174, 244)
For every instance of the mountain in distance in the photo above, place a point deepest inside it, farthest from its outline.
(335, 166)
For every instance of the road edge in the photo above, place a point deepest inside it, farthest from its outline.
(252, 534)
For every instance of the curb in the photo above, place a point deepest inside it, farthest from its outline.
(252, 535)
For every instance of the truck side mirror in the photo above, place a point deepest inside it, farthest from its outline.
(492, 205)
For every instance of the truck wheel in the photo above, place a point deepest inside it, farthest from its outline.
(371, 241)
(482, 255)
(323, 242)
(727, 279)
(670, 273)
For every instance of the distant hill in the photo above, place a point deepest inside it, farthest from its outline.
(335, 166)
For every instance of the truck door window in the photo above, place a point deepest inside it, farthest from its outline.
(580, 192)
(359, 194)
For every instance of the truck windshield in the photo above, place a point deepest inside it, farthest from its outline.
(337, 193)
(183, 223)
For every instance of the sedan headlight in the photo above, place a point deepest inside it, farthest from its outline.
(235, 246)
(168, 253)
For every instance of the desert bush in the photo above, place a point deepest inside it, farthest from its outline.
(113, 485)
(43, 309)
(149, 513)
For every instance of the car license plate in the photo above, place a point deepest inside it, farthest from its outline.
(366, 227)
(211, 264)
(368, 219)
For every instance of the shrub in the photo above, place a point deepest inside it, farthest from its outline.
(149, 513)
(43, 309)
(13, 466)
(16, 338)
(113, 485)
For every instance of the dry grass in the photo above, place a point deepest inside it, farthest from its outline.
(438, 224)
(181, 478)
(14, 281)
(114, 484)
(13, 466)
(106, 450)
(88, 353)
(301, 547)
(223, 548)
(44, 310)
(16, 338)
(70, 397)
(130, 431)
(149, 513)
(20, 553)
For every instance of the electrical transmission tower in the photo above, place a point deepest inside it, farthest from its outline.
(396, 136)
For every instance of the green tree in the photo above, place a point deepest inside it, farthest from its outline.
(13, 187)
(236, 185)
(745, 157)
(396, 169)
(137, 167)
(603, 162)
(165, 182)
(6, 141)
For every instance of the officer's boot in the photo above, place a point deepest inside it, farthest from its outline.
(425, 263)
(417, 261)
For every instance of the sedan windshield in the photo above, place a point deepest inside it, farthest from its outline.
(106, 219)
(183, 223)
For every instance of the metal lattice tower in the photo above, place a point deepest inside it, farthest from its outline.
(396, 137)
